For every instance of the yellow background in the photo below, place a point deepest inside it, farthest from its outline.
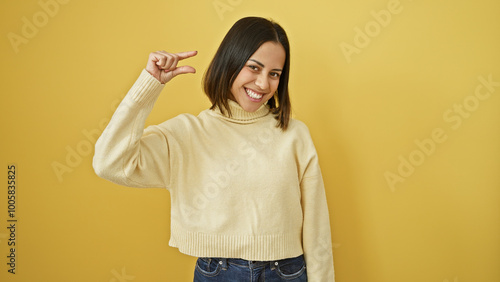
(440, 222)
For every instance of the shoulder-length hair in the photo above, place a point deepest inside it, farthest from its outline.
(241, 41)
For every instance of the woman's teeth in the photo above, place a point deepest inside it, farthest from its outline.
(253, 94)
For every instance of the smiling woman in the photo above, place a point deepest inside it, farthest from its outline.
(258, 45)
(247, 194)
(258, 81)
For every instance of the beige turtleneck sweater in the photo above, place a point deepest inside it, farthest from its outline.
(240, 187)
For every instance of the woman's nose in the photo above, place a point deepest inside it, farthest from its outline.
(262, 81)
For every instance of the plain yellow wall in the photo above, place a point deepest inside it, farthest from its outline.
(401, 97)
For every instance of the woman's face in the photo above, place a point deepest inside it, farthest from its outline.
(259, 78)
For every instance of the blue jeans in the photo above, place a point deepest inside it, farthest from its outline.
(240, 270)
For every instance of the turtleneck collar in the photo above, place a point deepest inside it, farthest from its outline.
(239, 115)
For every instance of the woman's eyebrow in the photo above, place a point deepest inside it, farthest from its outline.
(262, 65)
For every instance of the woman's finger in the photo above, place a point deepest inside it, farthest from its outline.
(173, 59)
(185, 55)
(183, 70)
(163, 65)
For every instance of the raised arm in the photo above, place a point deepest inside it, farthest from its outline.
(126, 153)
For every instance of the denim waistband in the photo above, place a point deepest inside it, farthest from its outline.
(255, 264)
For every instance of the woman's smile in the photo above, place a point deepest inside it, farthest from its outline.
(253, 95)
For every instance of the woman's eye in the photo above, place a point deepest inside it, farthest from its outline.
(253, 67)
(274, 74)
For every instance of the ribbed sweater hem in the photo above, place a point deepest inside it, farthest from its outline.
(249, 247)
(145, 90)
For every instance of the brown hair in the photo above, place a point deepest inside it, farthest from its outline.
(241, 41)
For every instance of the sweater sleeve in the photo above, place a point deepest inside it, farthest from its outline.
(316, 235)
(128, 154)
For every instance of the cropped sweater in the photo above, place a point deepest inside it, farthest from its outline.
(240, 187)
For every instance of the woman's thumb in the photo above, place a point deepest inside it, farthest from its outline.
(183, 70)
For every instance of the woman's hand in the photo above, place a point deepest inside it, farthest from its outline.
(163, 65)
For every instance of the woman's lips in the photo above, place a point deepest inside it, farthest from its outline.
(253, 94)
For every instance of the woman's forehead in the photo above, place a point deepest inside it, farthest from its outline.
(271, 55)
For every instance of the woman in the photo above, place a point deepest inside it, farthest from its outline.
(247, 195)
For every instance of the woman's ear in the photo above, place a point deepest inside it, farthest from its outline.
(272, 101)
(276, 99)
